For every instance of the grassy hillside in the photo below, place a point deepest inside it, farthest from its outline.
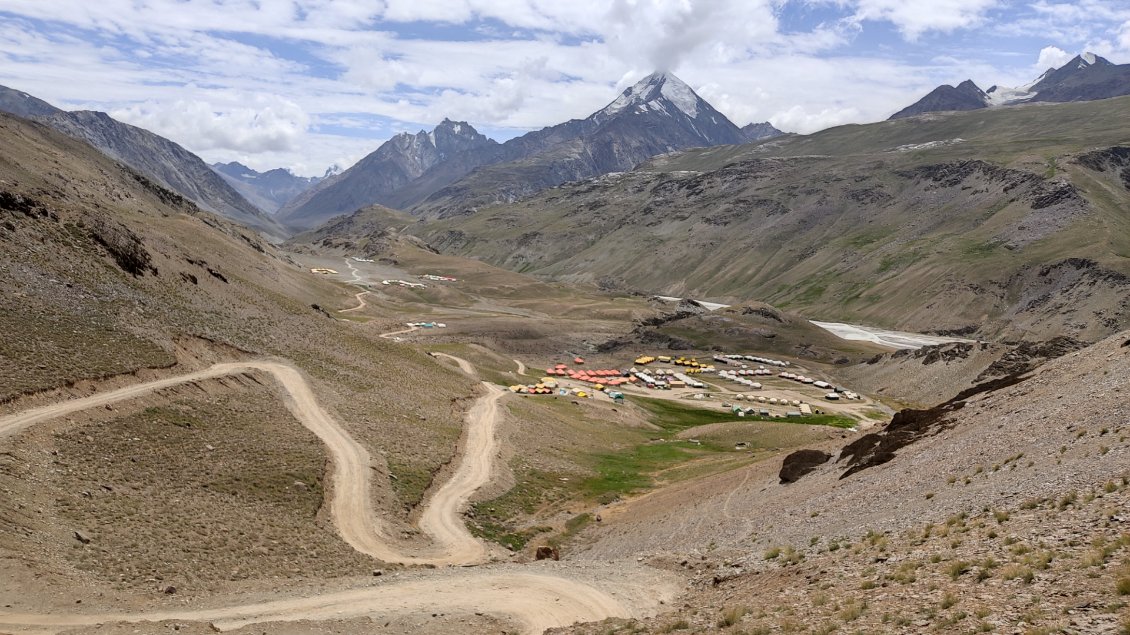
(1000, 213)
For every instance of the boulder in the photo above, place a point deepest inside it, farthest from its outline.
(546, 552)
(800, 463)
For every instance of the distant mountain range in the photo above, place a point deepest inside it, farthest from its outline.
(454, 167)
(268, 190)
(395, 170)
(154, 156)
(995, 222)
(1085, 78)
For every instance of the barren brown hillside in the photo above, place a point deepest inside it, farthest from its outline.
(1011, 503)
(117, 280)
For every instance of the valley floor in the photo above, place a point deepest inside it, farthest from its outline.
(670, 515)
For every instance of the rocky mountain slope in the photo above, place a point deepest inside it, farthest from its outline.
(268, 190)
(964, 96)
(1023, 231)
(156, 157)
(394, 173)
(114, 279)
(750, 326)
(454, 167)
(759, 131)
(1086, 77)
(658, 114)
(1003, 511)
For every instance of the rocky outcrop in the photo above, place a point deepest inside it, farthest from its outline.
(1115, 158)
(546, 552)
(800, 463)
(911, 425)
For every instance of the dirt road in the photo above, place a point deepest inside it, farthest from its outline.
(350, 507)
(535, 597)
(360, 302)
(537, 600)
(464, 365)
(391, 334)
(441, 518)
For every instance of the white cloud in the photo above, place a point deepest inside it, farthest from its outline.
(254, 78)
(1052, 57)
(803, 119)
(913, 18)
(265, 124)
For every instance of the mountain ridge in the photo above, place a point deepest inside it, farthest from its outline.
(835, 225)
(161, 159)
(268, 190)
(658, 114)
(1085, 77)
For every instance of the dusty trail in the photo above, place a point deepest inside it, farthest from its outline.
(360, 303)
(350, 507)
(441, 518)
(400, 332)
(356, 279)
(521, 367)
(464, 365)
(535, 598)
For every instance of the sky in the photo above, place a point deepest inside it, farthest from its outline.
(305, 84)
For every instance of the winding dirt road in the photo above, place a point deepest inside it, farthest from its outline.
(536, 600)
(360, 302)
(392, 334)
(351, 506)
(464, 365)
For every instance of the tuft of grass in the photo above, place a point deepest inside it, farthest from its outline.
(957, 568)
(853, 611)
(678, 625)
(1014, 571)
(948, 600)
(731, 616)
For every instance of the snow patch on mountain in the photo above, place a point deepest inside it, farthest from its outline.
(650, 93)
(1003, 95)
(681, 95)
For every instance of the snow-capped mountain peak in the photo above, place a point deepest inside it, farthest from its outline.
(680, 94)
(1003, 96)
(649, 91)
